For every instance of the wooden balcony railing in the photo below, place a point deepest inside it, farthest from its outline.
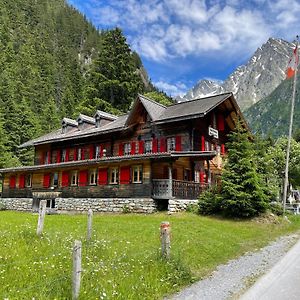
(162, 189)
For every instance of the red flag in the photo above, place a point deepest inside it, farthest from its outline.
(293, 63)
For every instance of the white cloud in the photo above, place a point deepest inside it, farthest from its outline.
(176, 89)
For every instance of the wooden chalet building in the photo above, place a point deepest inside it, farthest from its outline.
(154, 155)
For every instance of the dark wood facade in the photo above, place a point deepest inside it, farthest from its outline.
(131, 156)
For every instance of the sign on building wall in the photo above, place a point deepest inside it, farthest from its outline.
(213, 132)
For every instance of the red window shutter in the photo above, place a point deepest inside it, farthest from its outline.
(202, 143)
(67, 154)
(222, 149)
(58, 156)
(202, 177)
(178, 143)
(141, 147)
(12, 182)
(83, 178)
(65, 179)
(221, 122)
(125, 175)
(154, 146)
(92, 150)
(163, 145)
(46, 182)
(22, 181)
(102, 176)
(121, 148)
(132, 148)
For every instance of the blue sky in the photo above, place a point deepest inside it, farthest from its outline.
(183, 41)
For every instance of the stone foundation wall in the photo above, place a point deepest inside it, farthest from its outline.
(176, 205)
(118, 205)
(24, 204)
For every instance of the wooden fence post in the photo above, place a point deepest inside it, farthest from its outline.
(89, 225)
(76, 270)
(42, 212)
(165, 231)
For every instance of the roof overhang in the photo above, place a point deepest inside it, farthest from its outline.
(107, 160)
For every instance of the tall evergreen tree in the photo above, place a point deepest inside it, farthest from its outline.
(243, 188)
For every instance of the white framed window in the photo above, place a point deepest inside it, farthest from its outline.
(171, 144)
(79, 154)
(74, 178)
(197, 176)
(127, 149)
(55, 179)
(137, 174)
(148, 146)
(114, 175)
(93, 177)
(136, 148)
(28, 180)
(98, 152)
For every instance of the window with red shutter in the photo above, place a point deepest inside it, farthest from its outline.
(12, 182)
(121, 149)
(125, 175)
(155, 146)
(83, 178)
(133, 148)
(65, 179)
(178, 143)
(102, 176)
(46, 181)
(221, 122)
(163, 144)
(22, 181)
(141, 147)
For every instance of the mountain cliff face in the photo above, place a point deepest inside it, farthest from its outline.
(251, 82)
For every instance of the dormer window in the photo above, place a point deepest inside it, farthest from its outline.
(85, 121)
(67, 125)
(102, 118)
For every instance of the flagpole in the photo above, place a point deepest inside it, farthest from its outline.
(286, 173)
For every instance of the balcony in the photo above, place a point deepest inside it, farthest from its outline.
(166, 189)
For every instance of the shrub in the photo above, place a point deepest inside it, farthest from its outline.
(276, 208)
(209, 202)
(192, 208)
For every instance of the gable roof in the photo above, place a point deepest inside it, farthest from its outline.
(192, 109)
(153, 108)
(158, 113)
(105, 115)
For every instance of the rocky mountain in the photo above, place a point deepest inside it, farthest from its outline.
(264, 71)
(271, 115)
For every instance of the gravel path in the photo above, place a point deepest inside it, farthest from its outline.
(230, 280)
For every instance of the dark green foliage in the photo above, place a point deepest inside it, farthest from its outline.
(113, 77)
(243, 188)
(160, 97)
(209, 202)
(276, 208)
(49, 54)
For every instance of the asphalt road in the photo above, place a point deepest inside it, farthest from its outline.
(281, 282)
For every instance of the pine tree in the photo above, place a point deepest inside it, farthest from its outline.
(243, 189)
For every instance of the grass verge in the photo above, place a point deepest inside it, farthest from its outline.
(123, 259)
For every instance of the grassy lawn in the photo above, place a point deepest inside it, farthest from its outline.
(122, 261)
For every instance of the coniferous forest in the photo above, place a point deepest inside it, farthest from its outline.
(54, 63)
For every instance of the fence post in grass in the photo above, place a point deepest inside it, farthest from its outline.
(165, 231)
(42, 212)
(76, 270)
(89, 225)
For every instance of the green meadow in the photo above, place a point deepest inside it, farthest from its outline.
(122, 261)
